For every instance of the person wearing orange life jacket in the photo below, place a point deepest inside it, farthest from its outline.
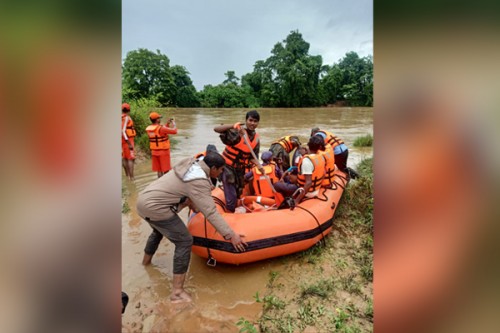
(128, 134)
(339, 148)
(159, 143)
(238, 156)
(259, 183)
(311, 173)
(329, 166)
(281, 149)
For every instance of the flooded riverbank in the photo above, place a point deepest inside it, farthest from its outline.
(224, 293)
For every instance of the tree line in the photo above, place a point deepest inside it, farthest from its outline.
(290, 77)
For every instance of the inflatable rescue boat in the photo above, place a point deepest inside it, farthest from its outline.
(269, 232)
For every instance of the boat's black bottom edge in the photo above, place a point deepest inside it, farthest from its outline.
(263, 243)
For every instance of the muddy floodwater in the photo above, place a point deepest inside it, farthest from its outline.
(224, 293)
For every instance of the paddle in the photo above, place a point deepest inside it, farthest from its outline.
(245, 137)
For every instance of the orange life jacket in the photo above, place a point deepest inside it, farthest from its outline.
(318, 173)
(197, 156)
(130, 130)
(239, 155)
(156, 141)
(260, 184)
(286, 143)
(331, 139)
(329, 166)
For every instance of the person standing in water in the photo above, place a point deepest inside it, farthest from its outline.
(128, 134)
(159, 203)
(159, 143)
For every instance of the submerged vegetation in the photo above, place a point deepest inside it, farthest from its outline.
(332, 285)
(289, 77)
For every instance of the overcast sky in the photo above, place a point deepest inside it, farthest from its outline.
(210, 37)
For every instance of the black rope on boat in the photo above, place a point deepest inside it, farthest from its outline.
(220, 203)
(344, 182)
(211, 260)
(317, 222)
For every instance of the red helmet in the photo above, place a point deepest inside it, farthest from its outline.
(125, 107)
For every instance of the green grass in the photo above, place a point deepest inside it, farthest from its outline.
(321, 289)
(363, 141)
(246, 326)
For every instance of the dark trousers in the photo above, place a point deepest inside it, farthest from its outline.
(341, 160)
(175, 231)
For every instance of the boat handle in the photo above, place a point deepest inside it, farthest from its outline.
(211, 262)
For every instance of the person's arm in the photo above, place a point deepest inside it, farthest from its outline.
(307, 168)
(167, 130)
(171, 125)
(248, 176)
(222, 128)
(306, 187)
(201, 197)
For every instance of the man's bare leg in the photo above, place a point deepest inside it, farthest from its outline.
(178, 293)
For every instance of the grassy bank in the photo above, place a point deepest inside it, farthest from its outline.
(363, 141)
(329, 287)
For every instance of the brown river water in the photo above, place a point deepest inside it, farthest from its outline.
(224, 293)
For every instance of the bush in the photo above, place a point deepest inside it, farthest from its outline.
(363, 141)
(139, 111)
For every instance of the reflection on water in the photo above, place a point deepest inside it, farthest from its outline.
(221, 294)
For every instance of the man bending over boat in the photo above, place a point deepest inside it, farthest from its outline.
(311, 172)
(238, 155)
(160, 202)
(281, 149)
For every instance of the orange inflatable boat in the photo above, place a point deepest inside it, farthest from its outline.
(269, 232)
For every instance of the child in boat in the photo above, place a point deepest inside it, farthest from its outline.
(259, 184)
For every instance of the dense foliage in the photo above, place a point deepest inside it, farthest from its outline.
(290, 77)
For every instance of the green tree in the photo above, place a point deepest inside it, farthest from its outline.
(351, 80)
(185, 92)
(146, 74)
(231, 78)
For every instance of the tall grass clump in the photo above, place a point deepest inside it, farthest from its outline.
(357, 201)
(139, 111)
(363, 141)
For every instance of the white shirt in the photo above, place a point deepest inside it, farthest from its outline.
(307, 168)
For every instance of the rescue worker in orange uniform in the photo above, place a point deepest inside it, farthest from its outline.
(311, 173)
(128, 134)
(281, 149)
(159, 143)
(259, 183)
(238, 156)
